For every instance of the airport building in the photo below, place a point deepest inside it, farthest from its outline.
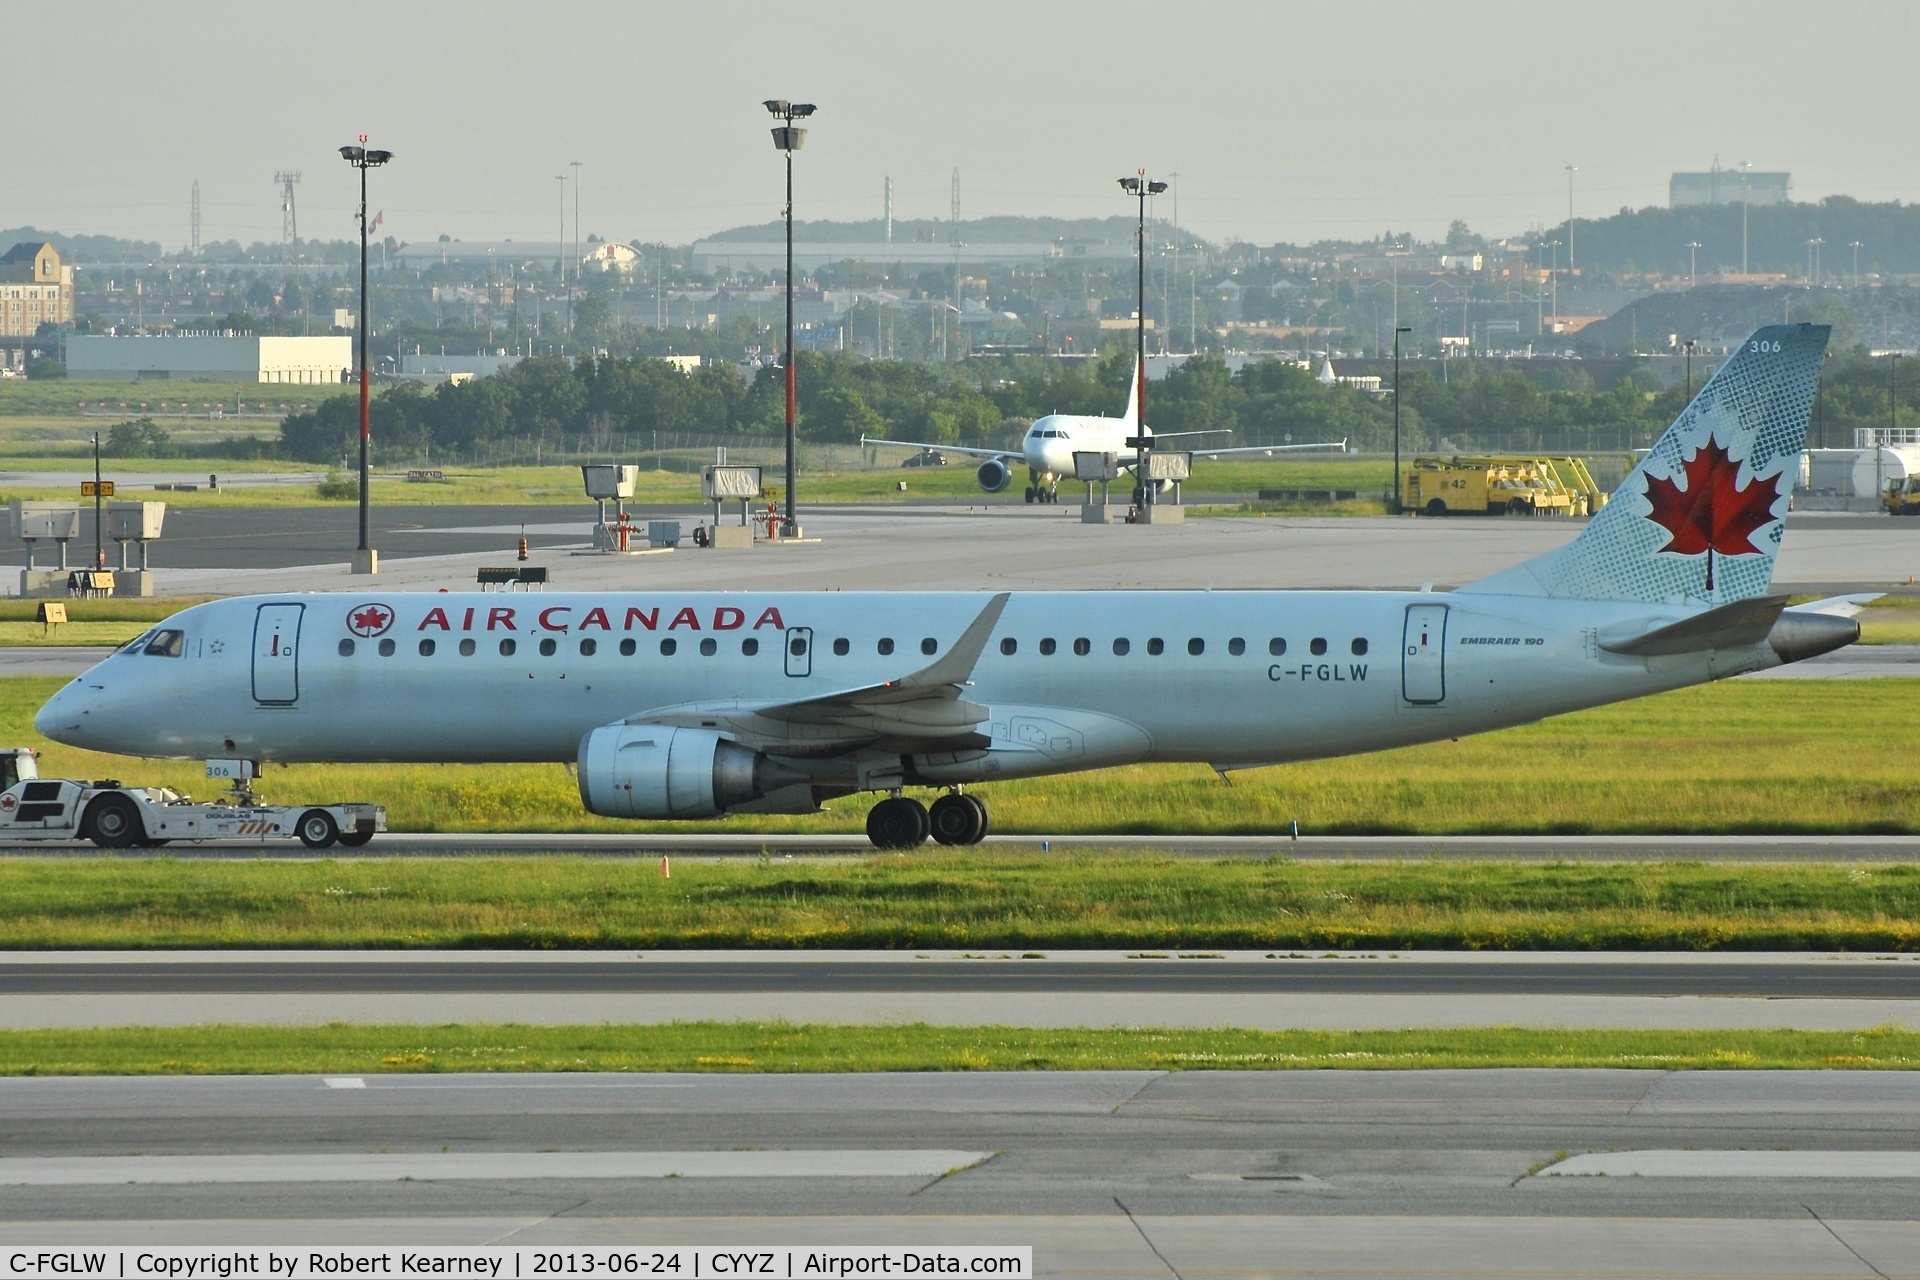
(211, 357)
(1729, 186)
(36, 288)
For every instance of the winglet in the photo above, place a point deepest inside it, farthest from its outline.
(955, 667)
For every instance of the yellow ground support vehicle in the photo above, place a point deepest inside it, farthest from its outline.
(1492, 484)
(1902, 497)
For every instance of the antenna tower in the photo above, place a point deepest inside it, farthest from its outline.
(957, 244)
(889, 209)
(194, 241)
(289, 224)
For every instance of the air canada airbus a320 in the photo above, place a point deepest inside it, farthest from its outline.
(682, 705)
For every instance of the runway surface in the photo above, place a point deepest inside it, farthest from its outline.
(1190, 1174)
(959, 547)
(990, 987)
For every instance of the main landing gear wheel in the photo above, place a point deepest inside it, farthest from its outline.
(318, 829)
(114, 823)
(1031, 494)
(958, 819)
(898, 823)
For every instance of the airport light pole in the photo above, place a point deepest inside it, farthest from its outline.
(1855, 246)
(788, 139)
(1397, 490)
(1693, 261)
(1140, 186)
(1689, 346)
(361, 157)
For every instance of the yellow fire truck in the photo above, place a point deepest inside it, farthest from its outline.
(1490, 484)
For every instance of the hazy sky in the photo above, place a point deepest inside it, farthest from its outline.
(1284, 121)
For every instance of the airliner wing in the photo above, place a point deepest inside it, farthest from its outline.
(922, 711)
(1015, 454)
(1264, 450)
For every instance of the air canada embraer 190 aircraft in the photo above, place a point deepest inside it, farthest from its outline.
(1048, 447)
(685, 705)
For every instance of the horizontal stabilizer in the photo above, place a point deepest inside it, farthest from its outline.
(1730, 626)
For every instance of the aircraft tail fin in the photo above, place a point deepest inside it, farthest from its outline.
(1699, 520)
(1135, 395)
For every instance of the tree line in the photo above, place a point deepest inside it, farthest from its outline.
(587, 405)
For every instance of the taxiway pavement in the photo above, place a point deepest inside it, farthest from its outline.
(1190, 1174)
(978, 547)
(1272, 990)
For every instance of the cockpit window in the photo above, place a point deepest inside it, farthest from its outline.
(138, 643)
(167, 644)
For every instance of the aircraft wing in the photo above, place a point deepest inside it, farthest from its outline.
(922, 711)
(1015, 454)
(1265, 450)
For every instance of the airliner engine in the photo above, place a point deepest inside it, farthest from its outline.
(994, 475)
(654, 771)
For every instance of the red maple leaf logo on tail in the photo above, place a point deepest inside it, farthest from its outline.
(1712, 513)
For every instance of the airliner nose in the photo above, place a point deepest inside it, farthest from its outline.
(61, 717)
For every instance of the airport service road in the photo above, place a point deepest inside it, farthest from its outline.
(1197, 1173)
(648, 846)
(1010, 988)
(235, 550)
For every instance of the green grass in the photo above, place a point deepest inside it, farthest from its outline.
(1746, 756)
(781, 1047)
(63, 398)
(107, 609)
(970, 899)
(34, 635)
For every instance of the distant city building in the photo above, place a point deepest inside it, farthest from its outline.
(477, 366)
(211, 357)
(514, 254)
(35, 288)
(611, 255)
(1729, 186)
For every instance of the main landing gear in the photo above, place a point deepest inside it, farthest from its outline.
(899, 822)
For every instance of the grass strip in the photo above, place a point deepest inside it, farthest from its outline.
(340, 1049)
(1766, 756)
(972, 899)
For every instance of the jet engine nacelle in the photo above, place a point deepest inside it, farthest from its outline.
(994, 475)
(657, 771)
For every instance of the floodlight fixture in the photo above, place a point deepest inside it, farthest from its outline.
(788, 139)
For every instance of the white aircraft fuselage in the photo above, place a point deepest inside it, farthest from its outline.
(1238, 678)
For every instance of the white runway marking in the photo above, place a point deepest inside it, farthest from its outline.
(1739, 1164)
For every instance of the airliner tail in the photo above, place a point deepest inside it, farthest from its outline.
(1700, 519)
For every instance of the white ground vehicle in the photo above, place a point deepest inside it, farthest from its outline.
(119, 817)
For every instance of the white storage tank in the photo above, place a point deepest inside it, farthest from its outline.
(1830, 470)
(1875, 469)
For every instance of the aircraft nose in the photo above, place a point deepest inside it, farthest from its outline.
(63, 717)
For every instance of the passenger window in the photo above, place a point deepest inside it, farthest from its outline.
(709, 647)
(1318, 646)
(508, 646)
(1276, 646)
(667, 647)
(1360, 648)
(589, 647)
(841, 648)
(1047, 646)
(1236, 646)
(1009, 646)
(885, 646)
(426, 648)
(749, 646)
(1196, 646)
(466, 648)
(346, 648)
(1121, 646)
(797, 646)
(1083, 646)
(386, 648)
(167, 644)
(548, 647)
(1156, 646)
(628, 647)
(929, 646)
